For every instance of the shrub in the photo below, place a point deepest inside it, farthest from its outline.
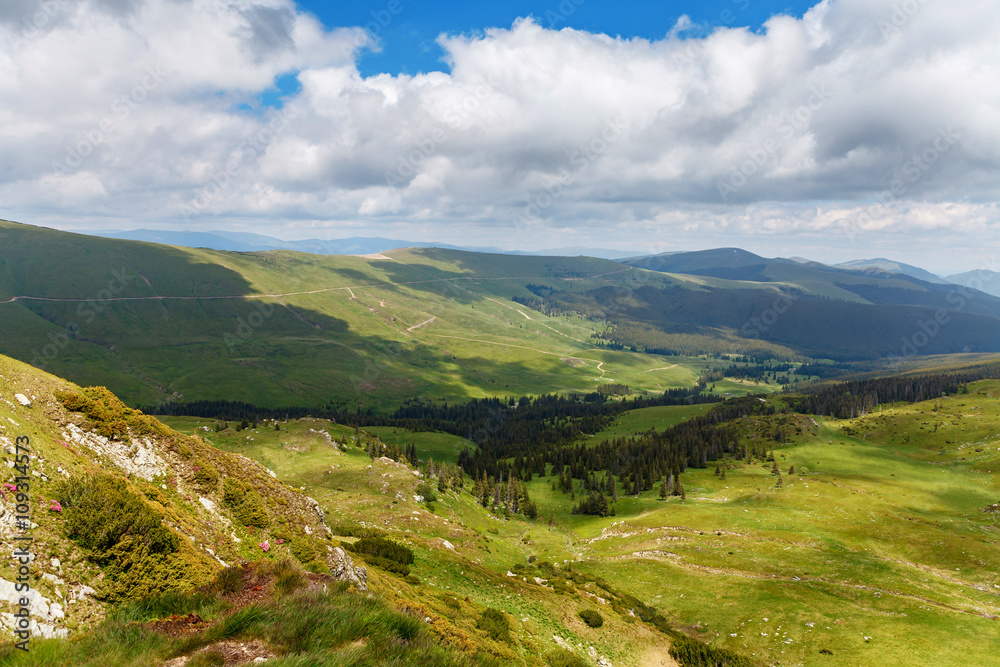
(592, 618)
(495, 624)
(246, 504)
(427, 491)
(126, 537)
(384, 548)
(206, 477)
(303, 549)
(354, 530)
(560, 657)
(383, 553)
(110, 417)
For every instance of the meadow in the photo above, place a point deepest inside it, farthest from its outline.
(875, 549)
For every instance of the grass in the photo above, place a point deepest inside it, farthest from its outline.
(880, 533)
(862, 541)
(357, 342)
(302, 624)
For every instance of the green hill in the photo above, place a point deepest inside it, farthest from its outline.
(827, 541)
(158, 323)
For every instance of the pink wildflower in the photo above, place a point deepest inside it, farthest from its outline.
(265, 546)
(54, 506)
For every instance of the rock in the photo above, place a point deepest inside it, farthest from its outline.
(82, 592)
(343, 569)
(23, 400)
(56, 565)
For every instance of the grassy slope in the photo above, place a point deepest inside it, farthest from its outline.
(880, 533)
(173, 495)
(354, 338)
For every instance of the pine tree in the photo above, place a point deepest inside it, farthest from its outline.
(663, 489)
(791, 470)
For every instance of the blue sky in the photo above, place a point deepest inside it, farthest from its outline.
(409, 37)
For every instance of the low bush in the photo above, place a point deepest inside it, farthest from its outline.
(383, 553)
(592, 618)
(560, 657)
(110, 417)
(206, 477)
(495, 624)
(247, 505)
(126, 537)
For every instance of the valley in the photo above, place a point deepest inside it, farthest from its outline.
(547, 441)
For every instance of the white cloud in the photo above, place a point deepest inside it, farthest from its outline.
(784, 132)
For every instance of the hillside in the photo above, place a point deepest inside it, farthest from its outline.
(874, 543)
(123, 507)
(817, 540)
(891, 266)
(981, 279)
(159, 323)
(195, 554)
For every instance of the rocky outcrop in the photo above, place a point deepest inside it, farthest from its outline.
(343, 569)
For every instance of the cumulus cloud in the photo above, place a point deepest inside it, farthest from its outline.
(861, 117)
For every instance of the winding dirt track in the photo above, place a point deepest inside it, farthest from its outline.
(347, 288)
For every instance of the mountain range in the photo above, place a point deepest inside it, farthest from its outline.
(158, 323)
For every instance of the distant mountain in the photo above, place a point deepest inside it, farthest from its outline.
(728, 263)
(154, 322)
(356, 245)
(247, 242)
(890, 266)
(982, 280)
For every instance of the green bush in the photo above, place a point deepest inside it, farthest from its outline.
(110, 417)
(592, 618)
(383, 553)
(560, 657)
(427, 491)
(206, 477)
(384, 548)
(495, 624)
(303, 549)
(354, 530)
(126, 537)
(246, 504)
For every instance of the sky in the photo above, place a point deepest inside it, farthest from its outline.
(839, 130)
